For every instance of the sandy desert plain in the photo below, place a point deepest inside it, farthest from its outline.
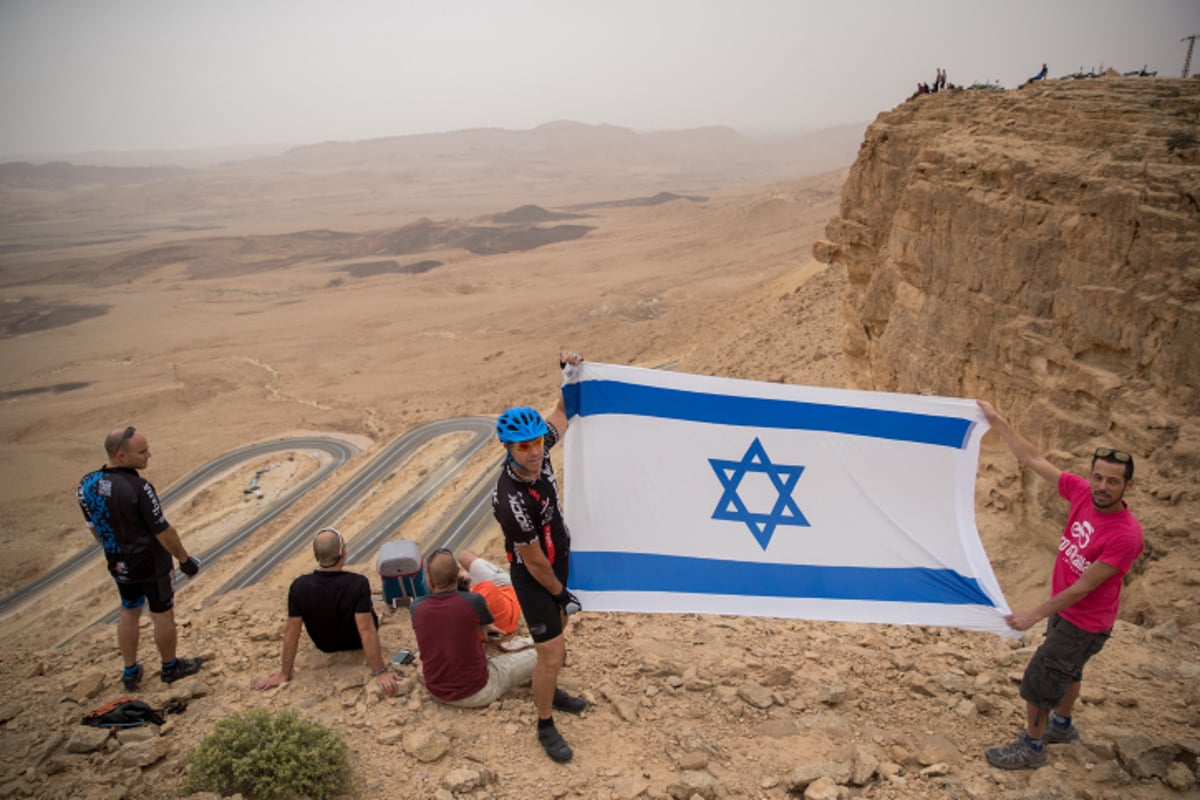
(215, 309)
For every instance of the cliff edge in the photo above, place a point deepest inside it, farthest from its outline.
(1041, 248)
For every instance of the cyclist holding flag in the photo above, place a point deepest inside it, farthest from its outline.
(538, 545)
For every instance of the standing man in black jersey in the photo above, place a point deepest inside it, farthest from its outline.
(123, 512)
(538, 545)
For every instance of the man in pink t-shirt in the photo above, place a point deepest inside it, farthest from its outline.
(1101, 540)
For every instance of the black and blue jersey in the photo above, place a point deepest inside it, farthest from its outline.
(123, 511)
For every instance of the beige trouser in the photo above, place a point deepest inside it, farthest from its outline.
(504, 672)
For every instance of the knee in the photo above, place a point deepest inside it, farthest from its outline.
(551, 654)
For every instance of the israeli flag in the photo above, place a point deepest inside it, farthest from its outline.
(687, 493)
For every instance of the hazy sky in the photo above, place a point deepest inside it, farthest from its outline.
(131, 74)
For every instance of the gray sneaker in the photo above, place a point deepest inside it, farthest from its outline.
(1057, 735)
(1016, 755)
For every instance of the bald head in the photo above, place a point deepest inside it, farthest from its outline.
(116, 439)
(328, 547)
(443, 571)
(127, 447)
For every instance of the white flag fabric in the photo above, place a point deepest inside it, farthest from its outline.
(687, 493)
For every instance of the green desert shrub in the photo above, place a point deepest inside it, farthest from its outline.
(265, 755)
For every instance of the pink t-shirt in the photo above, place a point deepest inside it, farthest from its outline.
(1090, 536)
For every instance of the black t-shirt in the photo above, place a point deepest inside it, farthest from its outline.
(327, 601)
(529, 512)
(123, 511)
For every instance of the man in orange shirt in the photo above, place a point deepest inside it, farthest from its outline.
(495, 585)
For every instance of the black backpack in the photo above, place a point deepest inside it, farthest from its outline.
(124, 712)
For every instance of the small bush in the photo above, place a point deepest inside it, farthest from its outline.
(264, 755)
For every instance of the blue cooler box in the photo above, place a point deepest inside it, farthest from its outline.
(402, 572)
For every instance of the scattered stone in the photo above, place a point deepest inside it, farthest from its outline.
(190, 688)
(1109, 773)
(426, 745)
(803, 775)
(692, 760)
(833, 725)
(89, 686)
(955, 684)
(142, 733)
(934, 770)
(1051, 784)
(626, 709)
(778, 675)
(822, 789)
(935, 748)
(901, 756)
(87, 740)
(629, 787)
(1179, 777)
(1142, 755)
(986, 704)
(832, 694)
(778, 728)
(967, 709)
(863, 764)
(466, 779)
(142, 754)
(756, 695)
(694, 783)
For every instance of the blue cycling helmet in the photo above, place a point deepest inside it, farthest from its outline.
(520, 424)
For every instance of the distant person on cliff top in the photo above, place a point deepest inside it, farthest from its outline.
(1041, 76)
(334, 606)
(124, 514)
(1101, 540)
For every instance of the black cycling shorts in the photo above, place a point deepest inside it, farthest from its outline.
(542, 614)
(159, 591)
(1059, 662)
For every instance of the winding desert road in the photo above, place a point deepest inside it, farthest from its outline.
(339, 451)
(466, 518)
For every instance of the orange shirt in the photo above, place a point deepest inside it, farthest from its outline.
(502, 602)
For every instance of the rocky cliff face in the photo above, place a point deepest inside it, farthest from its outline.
(1041, 248)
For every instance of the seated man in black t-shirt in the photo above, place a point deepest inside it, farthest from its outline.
(335, 608)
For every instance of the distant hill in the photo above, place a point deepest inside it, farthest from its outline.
(61, 174)
(552, 140)
(529, 215)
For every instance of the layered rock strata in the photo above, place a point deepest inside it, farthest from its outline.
(1040, 247)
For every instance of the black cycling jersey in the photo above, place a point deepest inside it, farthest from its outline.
(529, 512)
(124, 512)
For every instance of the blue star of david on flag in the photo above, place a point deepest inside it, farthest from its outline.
(783, 478)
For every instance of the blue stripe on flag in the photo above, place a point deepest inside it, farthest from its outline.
(600, 571)
(588, 398)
